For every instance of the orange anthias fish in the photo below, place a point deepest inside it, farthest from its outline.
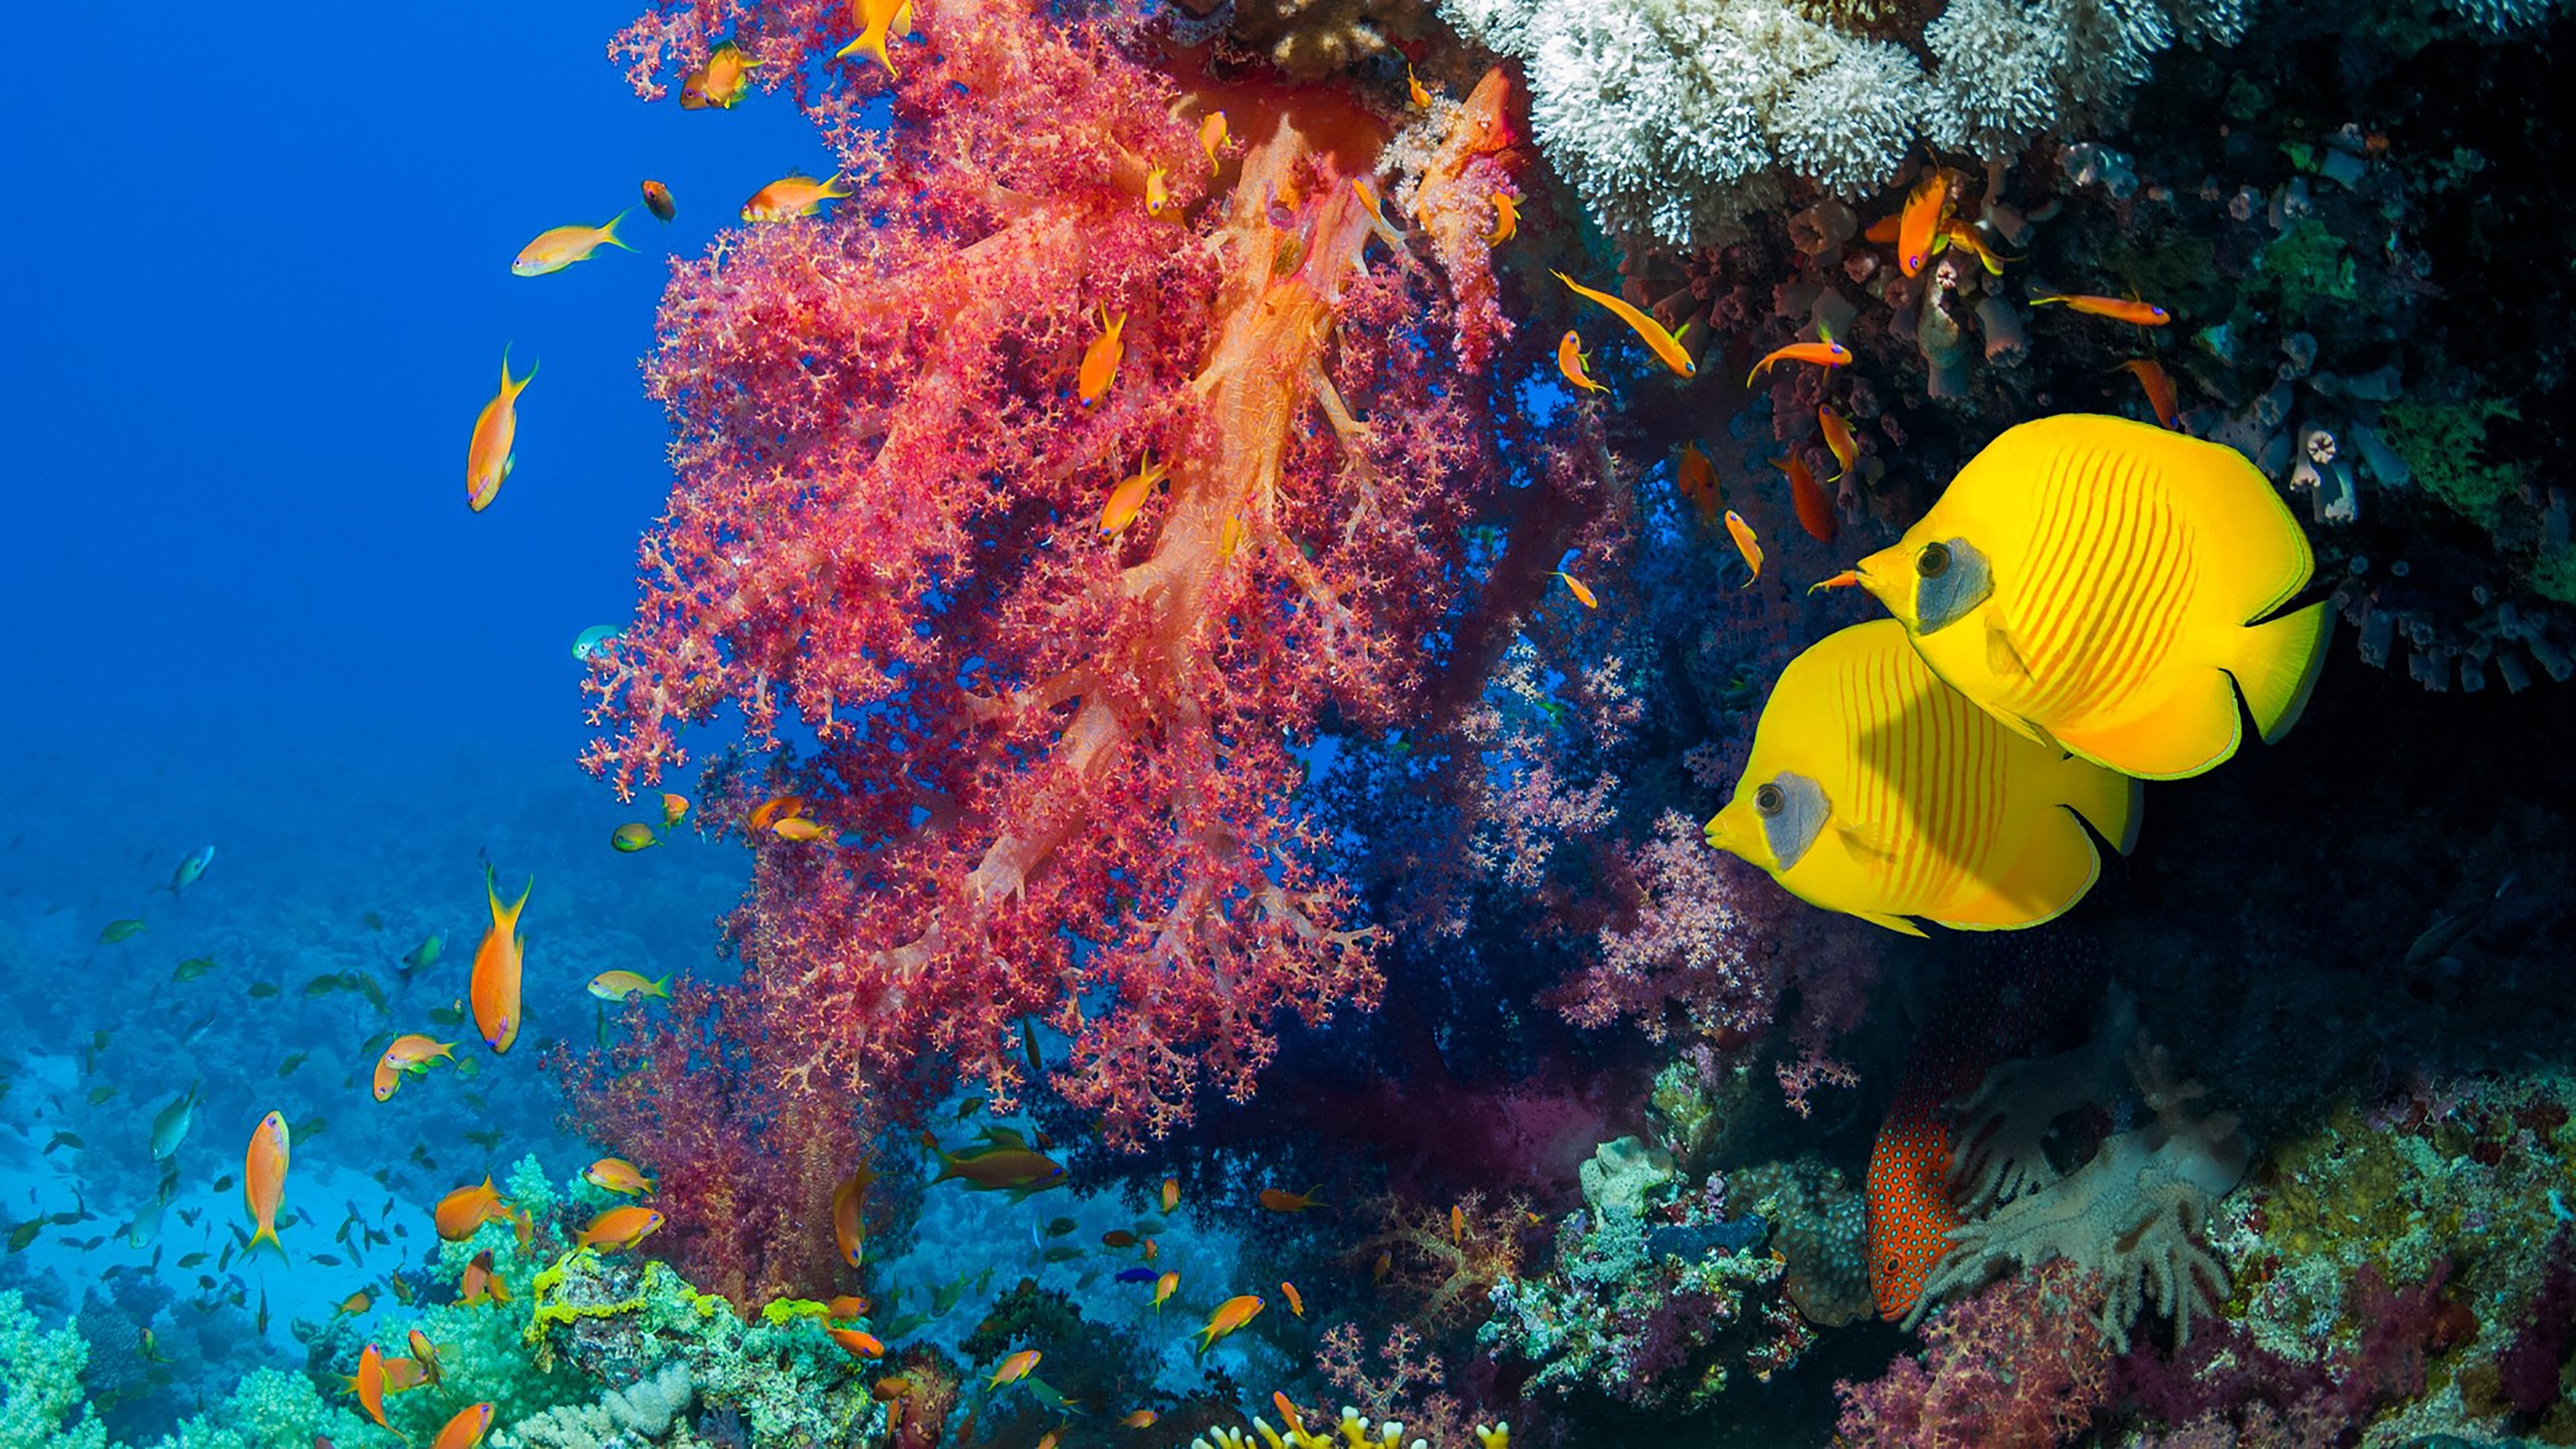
(1824, 352)
(493, 989)
(465, 1430)
(2144, 314)
(1296, 1300)
(798, 828)
(1815, 510)
(657, 200)
(1280, 1200)
(264, 1178)
(1158, 195)
(1972, 241)
(424, 1353)
(402, 1375)
(1230, 1315)
(1164, 1287)
(1695, 479)
(1507, 220)
(369, 1384)
(790, 197)
(410, 1052)
(1128, 498)
(1570, 361)
(460, 1212)
(722, 82)
(858, 1343)
(774, 809)
(1413, 89)
(1100, 360)
(1212, 137)
(1171, 1193)
(479, 1282)
(617, 1175)
(490, 454)
(675, 808)
(2158, 387)
(878, 21)
(1666, 346)
(1141, 1419)
(1287, 1408)
(1582, 592)
(848, 1306)
(1838, 440)
(849, 1225)
(1745, 544)
(1014, 1368)
(1926, 207)
(619, 1228)
(561, 246)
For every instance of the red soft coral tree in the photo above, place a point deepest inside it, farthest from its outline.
(1056, 767)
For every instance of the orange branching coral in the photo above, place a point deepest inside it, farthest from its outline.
(1445, 1260)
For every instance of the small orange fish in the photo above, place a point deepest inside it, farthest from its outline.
(494, 986)
(1457, 1223)
(369, 1385)
(1745, 544)
(492, 451)
(1230, 1315)
(1570, 359)
(1163, 1289)
(1287, 1408)
(890, 1388)
(466, 1429)
(776, 808)
(479, 1282)
(619, 1228)
(617, 1175)
(1128, 498)
(358, 1302)
(1141, 1419)
(858, 1343)
(2144, 314)
(1825, 352)
(1280, 1200)
(402, 1375)
(1582, 592)
(1413, 88)
(790, 197)
(1296, 1300)
(264, 1178)
(410, 1052)
(1507, 219)
(800, 829)
(1695, 479)
(1926, 207)
(878, 21)
(1229, 542)
(1014, 1368)
(560, 247)
(1212, 137)
(848, 1305)
(657, 200)
(675, 808)
(849, 1226)
(1666, 345)
(1153, 1250)
(424, 1353)
(1157, 194)
(1378, 223)
(460, 1212)
(1838, 440)
(1972, 241)
(722, 82)
(1100, 360)
(1171, 1193)
(2158, 387)
(1815, 510)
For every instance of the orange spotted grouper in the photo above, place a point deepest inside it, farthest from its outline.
(2003, 998)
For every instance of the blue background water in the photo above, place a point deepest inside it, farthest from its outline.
(260, 289)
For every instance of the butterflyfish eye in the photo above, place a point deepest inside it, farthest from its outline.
(1768, 800)
(1933, 561)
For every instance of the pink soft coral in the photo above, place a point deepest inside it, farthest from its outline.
(1058, 766)
(2020, 1366)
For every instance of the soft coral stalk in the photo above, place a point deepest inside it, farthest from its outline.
(1059, 766)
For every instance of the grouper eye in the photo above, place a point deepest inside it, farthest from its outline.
(1767, 800)
(1933, 561)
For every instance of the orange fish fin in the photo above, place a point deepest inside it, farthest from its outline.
(2276, 665)
(2196, 728)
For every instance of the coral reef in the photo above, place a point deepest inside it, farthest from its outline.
(40, 1373)
(2020, 1363)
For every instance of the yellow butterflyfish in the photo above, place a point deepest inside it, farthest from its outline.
(2095, 583)
(1877, 790)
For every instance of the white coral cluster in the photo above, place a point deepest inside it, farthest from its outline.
(628, 1418)
(1677, 117)
(2502, 16)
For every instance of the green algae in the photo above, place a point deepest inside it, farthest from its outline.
(2445, 444)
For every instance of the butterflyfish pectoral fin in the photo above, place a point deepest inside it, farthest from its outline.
(2003, 657)
(1866, 839)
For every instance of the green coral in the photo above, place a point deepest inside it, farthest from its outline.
(271, 1409)
(40, 1376)
(2306, 263)
(2445, 444)
(2554, 576)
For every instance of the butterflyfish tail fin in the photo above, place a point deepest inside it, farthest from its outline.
(2277, 663)
(2109, 801)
